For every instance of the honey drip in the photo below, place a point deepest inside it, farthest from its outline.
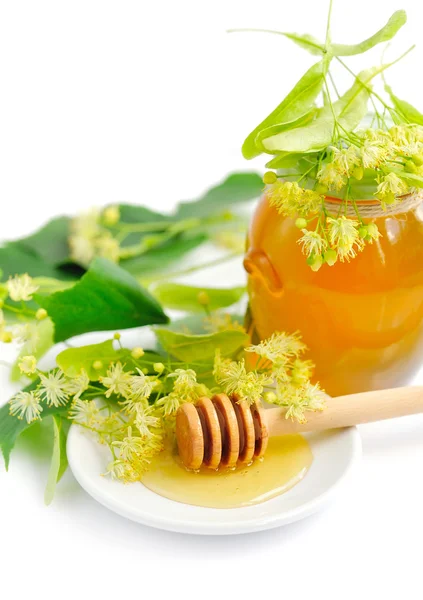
(285, 463)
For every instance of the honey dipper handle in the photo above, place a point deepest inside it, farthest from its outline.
(351, 410)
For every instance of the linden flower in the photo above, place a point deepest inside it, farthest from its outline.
(86, 225)
(108, 247)
(401, 135)
(185, 385)
(290, 199)
(169, 404)
(344, 236)
(82, 250)
(111, 215)
(144, 419)
(373, 153)
(27, 334)
(26, 405)
(117, 381)
(141, 385)
(130, 447)
(78, 385)
(28, 365)
(309, 397)
(21, 288)
(84, 412)
(312, 243)
(331, 175)
(301, 372)
(53, 388)
(234, 379)
(346, 159)
(278, 347)
(390, 187)
(373, 232)
(120, 469)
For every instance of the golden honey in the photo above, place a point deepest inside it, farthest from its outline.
(285, 463)
(362, 320)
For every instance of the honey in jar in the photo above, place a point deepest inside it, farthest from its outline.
(361, 320)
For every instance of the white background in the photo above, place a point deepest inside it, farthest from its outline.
(149, 102)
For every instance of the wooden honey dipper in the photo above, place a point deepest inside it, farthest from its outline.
(221, 431)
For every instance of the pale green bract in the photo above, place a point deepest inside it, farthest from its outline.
(317, 48)
(396, 21)
(411, 114)
(349, 110)
(296, 104)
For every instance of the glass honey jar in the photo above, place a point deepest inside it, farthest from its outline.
(361, 320)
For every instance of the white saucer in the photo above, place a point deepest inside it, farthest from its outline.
(335, 452)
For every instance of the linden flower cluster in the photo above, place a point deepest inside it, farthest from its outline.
(19, 289)
(54, 390)
(132, 410)
(135, 433)
(391, 159)
(90, 238)
(279, 366)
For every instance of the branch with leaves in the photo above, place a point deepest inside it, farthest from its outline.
(329, 150)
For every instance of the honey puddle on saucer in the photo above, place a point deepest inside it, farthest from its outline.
(285, 463)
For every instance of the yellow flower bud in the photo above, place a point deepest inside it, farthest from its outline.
(315, 262)
(269, 397)
(97, 365)
(411, 167)
(301, 223)
(321, 189)
(6, 337)
(330, 257)
(363, 232)
(137, 352)
(111, 215)
(269, 177)
(117, 336)
(417, 159)
(159, 367)
(203, 298)
(41, 314)
(358, 173)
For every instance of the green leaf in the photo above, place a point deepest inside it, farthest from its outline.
(134, 213)
(411, 114)
(284, 160)
(350, 109)
(105, 298)
(296, 104)
(73, 360)
(306, 41)
(43, 342)
(50, 243)
(11, 427)
(185, 297)
(275, 129)
(396, 21)
(160, 258)
(59, 461)
(236, 188)
(16, 259)
(194, 348)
